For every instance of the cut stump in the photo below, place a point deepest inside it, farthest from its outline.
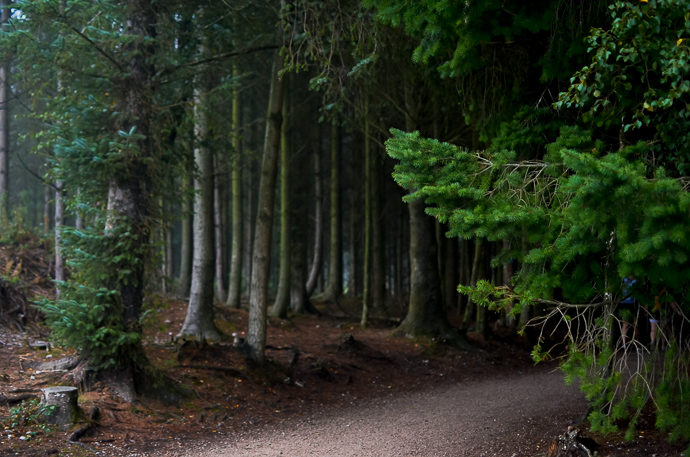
(59, 405)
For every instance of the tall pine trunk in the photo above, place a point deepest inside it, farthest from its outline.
(235, 286)
(256, 335)
(186, 248)
(368, 190)
(129, 199)
(4, 121)
(317, 259)
(425, 313)
(378, 246)
(59, 221)
(218, 227)
(299, 301)
(282, 302)
(334, 288)
(199, 321)
(474, 276)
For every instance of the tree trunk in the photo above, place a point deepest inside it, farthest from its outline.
(507, 276)
(399, 253)
(525, 313)
(318, 225)
(299, 301)
(4, 121)
(218, 228)
(256, 337)
(186, 248)
(334, 288)
(451, 273)
(234, 294)
(129, 203)
(425, 313)
(47, 201)
(282, 303)
(368, 195)
(59, 221)
(476, 266)
(79, 215)
(378, 247)
(250, 220)
(199, 321)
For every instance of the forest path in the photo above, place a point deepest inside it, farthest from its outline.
(511, 415)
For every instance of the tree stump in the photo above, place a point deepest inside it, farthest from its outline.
(59, 406)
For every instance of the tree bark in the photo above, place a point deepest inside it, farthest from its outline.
(256, 337)
(425, 313)
(451, 272)
(525, 313)
(47, 202)
(199, 321)
(186, 248)
(507, 276)
(334, 287)
(476, 266)
(4, 120)
(282, 302)
(299, 301)
(318, 226)
(378, 258)
(235, 287)
(59, 220)
(368, 191)
(129, 199)
(218, 228)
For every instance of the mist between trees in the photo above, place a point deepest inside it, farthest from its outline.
(242, 152)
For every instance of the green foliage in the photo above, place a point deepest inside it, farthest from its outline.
(584, 202)
(28, 414)
(498, 55)
(638, 79)
(90, 316)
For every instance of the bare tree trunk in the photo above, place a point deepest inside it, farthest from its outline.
(451, 273)
(399, 254)
(199, 321)
(219, 229)
(187, 247)
(59, 221)
(318, 225)
(368, 195)
(378, 246)
(47, 201)
(256, 335)
(79, 215)
(476, 266)
(525, 313)
(507, 276)
(334, 288)
(4, 120)
(250, 220)
(234, 294)
(299, 301)
(425, 313)
(282, 303)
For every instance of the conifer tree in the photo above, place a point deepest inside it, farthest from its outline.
(586, 204)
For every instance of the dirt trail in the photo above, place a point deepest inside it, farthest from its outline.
(512, 416)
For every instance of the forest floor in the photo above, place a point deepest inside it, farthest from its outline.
(334, 389)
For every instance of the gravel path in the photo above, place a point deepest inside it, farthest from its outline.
(512, 416)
